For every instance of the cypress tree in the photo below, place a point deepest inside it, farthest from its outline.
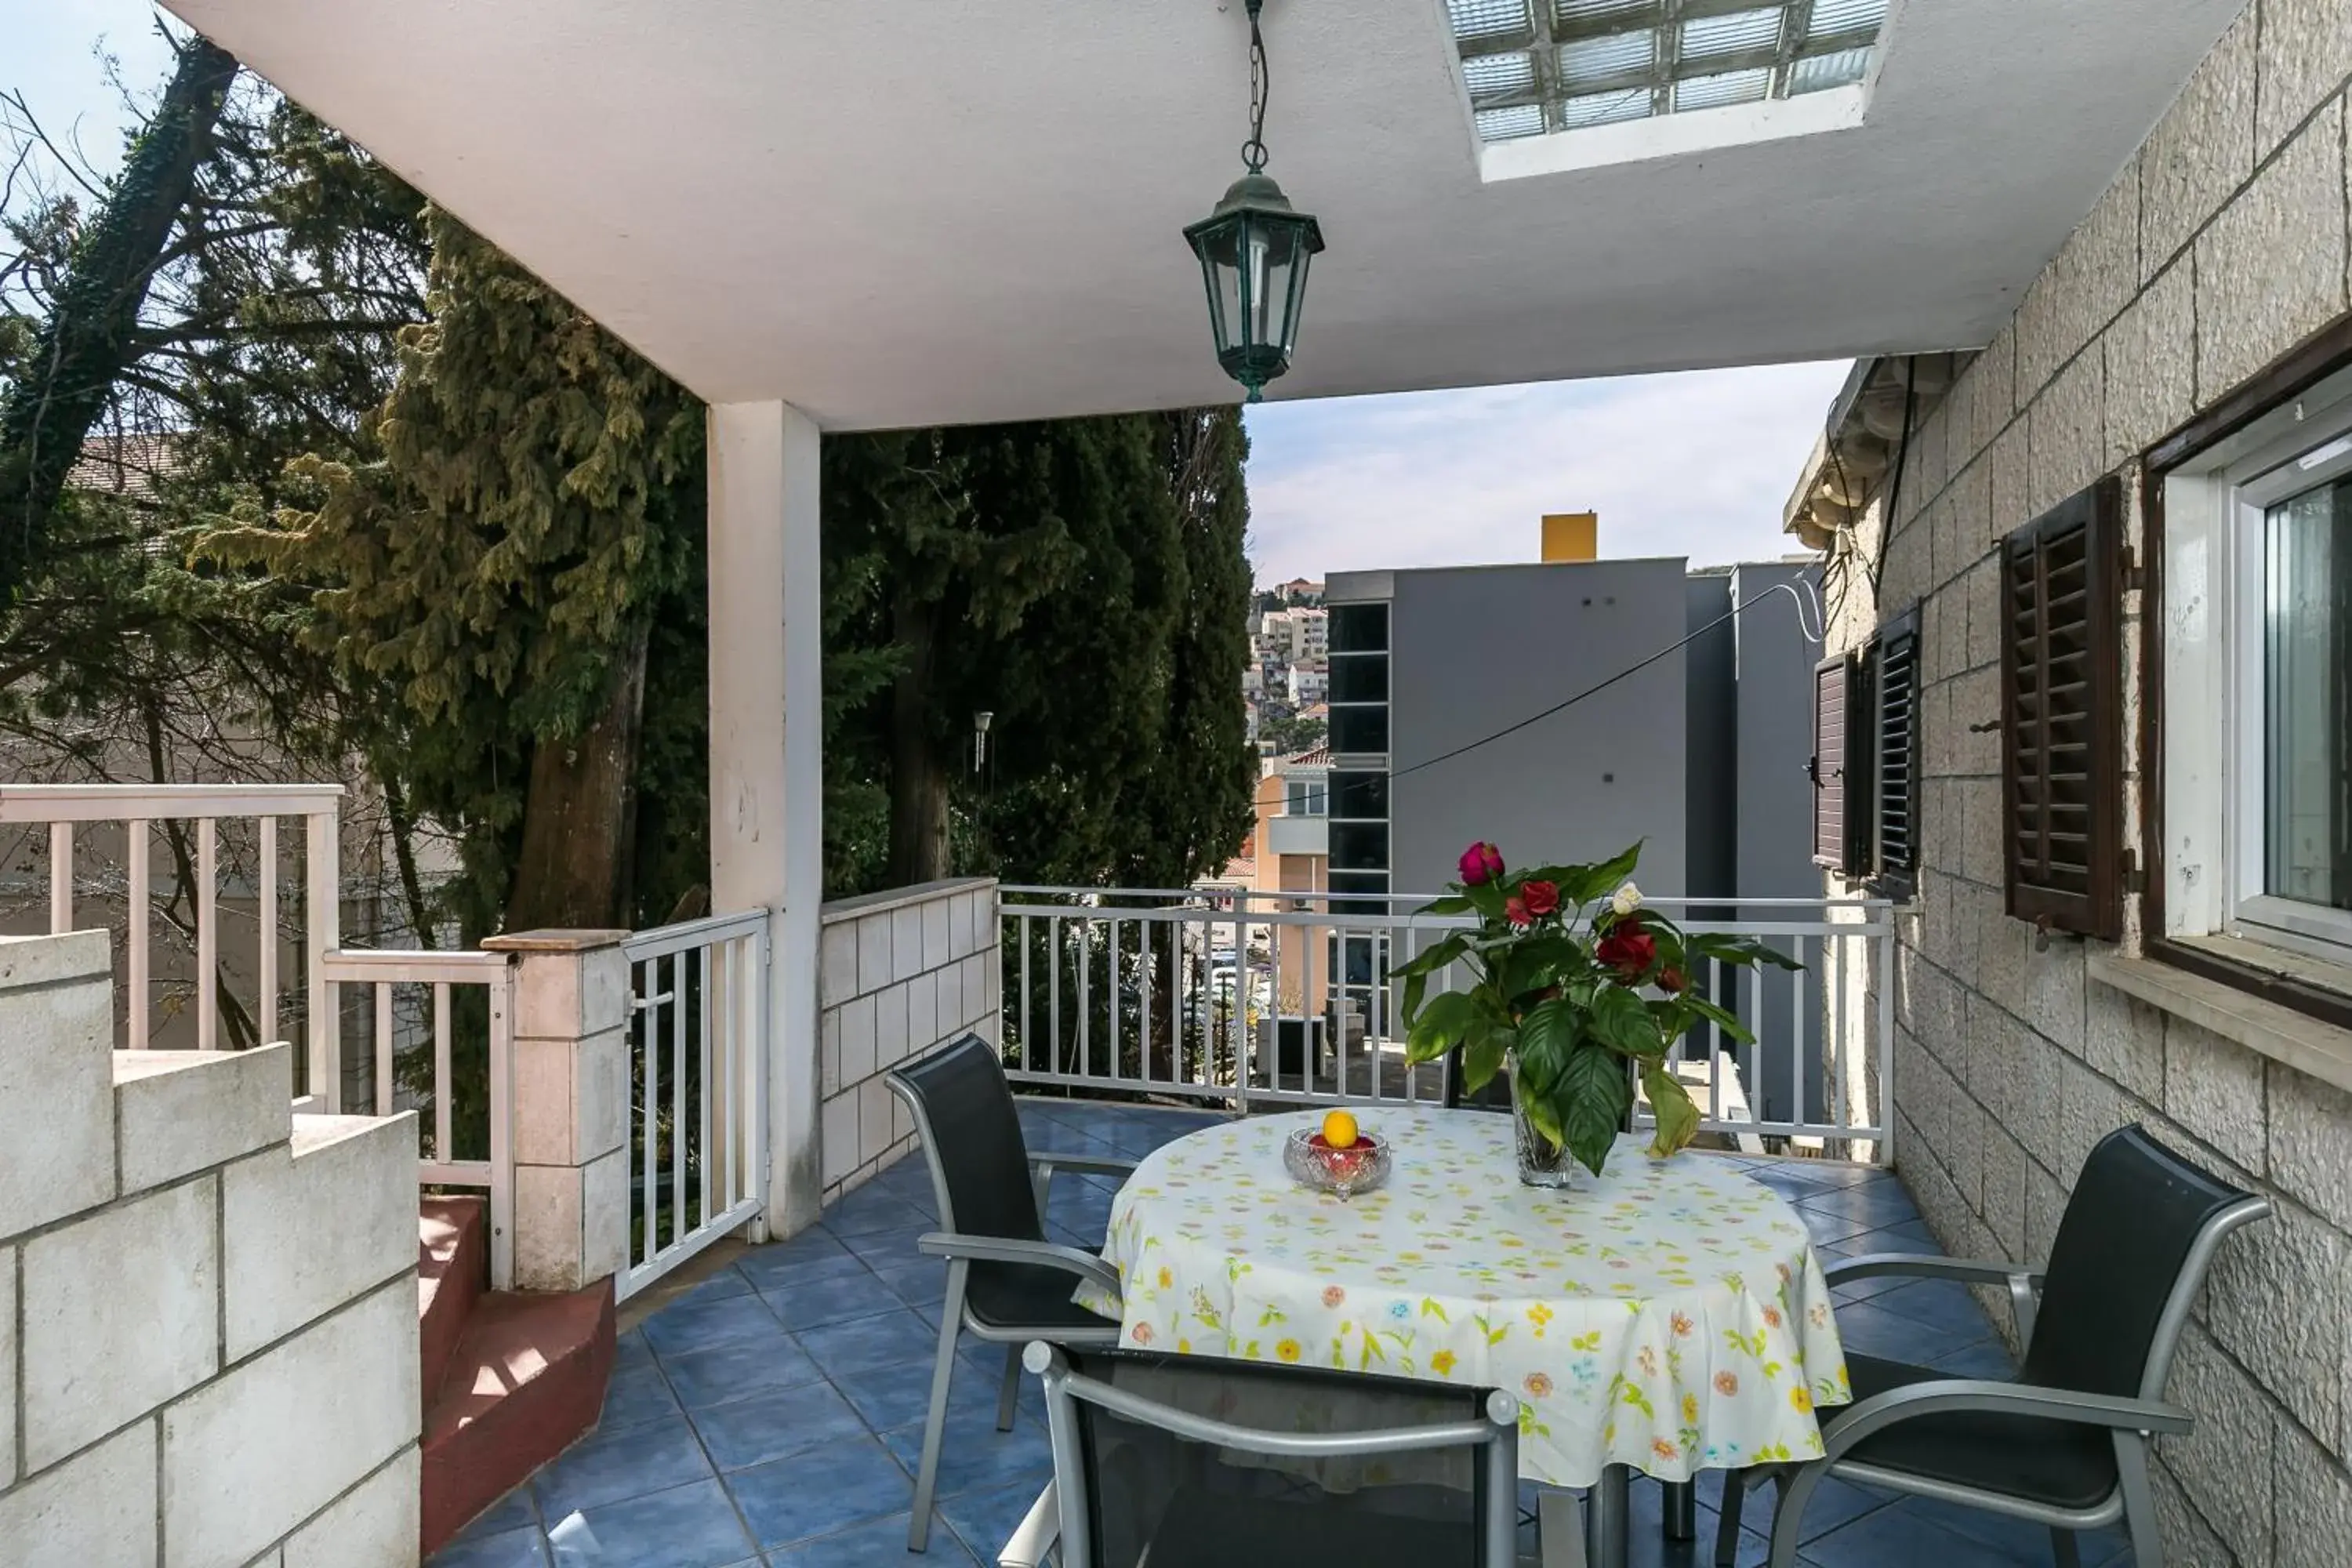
(500, 569)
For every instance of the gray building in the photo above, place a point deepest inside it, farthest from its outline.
(1442, 683)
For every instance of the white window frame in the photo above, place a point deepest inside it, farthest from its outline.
(2215, 757)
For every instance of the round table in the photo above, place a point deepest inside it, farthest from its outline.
(1669, 1316)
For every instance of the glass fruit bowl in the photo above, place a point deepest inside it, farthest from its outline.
(1312, 1161)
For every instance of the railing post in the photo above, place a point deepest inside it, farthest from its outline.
(570, 1113)
(322, 933)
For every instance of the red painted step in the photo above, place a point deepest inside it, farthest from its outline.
(453, 1269)
(511, 1379)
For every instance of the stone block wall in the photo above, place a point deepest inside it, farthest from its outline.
(2219, 246)
(901, 973)
(208, 1352)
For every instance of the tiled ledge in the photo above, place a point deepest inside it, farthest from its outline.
(890, 898)
(2305, 1044)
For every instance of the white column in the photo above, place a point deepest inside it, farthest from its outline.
(766, 736)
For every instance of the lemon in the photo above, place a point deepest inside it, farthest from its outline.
(1340, 1130)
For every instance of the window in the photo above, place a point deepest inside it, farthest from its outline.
(1534, 67)
(2247, 634)
(1832, 689)
(1865, 765)
(2062, 703)
(2270, 695)
(1303, 797)
(2299, 838)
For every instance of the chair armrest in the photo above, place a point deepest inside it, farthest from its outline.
(1004, 1249)
(1841, 1432)
(2024, 1284)
(1046, 1165)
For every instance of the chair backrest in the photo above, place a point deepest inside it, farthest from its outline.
(1198, 1459)
(971, 1136)
(2131, 1250)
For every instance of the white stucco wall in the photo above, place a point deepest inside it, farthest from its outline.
(213, 1302)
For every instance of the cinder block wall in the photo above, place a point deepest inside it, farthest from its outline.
(208, 1353)
(2219, 246)
(903, 972)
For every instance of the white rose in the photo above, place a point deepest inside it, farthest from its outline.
(1625, 901)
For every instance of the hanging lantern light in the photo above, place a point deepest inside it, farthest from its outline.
(1253, 250)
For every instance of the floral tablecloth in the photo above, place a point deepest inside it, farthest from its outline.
(1670, 1315)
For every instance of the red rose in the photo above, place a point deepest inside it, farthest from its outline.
(1540, 897)
(1482, 862)
(1515, 910)
(1671, 979)
(1628, 951)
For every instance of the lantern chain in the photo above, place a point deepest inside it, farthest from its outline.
(1261, 88)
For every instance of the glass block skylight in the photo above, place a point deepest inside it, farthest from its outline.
(1535, 66)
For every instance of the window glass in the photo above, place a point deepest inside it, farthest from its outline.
(1360, 795)
(1359, 628)
(1360, 846)
(2307, 697)
(1305, 797)
(1359, 730)
(1362, 677)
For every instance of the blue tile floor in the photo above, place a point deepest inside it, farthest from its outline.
(771, 1417)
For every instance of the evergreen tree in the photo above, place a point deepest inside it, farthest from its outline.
(1084, 582)
(537, 509)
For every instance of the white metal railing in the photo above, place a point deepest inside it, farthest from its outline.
(697, 1052)
(452, 1055)
(1246, 997)
(102, 839)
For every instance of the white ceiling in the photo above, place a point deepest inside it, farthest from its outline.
(959, 210)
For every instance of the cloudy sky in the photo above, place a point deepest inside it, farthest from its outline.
(1697, 464)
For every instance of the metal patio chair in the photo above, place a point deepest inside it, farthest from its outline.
(1006, 1283)
(2064, 1443)
(1203, 1462)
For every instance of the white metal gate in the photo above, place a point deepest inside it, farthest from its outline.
(698, 1089)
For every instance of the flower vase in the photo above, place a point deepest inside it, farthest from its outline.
(1541, 1164)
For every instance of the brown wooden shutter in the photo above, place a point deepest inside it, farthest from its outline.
(2062, 702)
(1896, 753)
(1832, 679)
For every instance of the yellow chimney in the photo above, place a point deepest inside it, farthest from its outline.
(1571, 536)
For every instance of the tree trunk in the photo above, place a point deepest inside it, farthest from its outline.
(578, 813)
(88, 338)
(919, 781)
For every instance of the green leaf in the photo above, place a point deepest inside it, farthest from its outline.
(1740, 952)
(1622, 1022)
(1591, 1099)
(1677, 1117)
(1729, 1022)
(1446, 1019)
(1452, 904)
(1483, 1058)
(1584, 884)
(1436, 957)
(1547, 1035)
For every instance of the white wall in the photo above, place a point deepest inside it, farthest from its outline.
(213, 1302)
(903, 973)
